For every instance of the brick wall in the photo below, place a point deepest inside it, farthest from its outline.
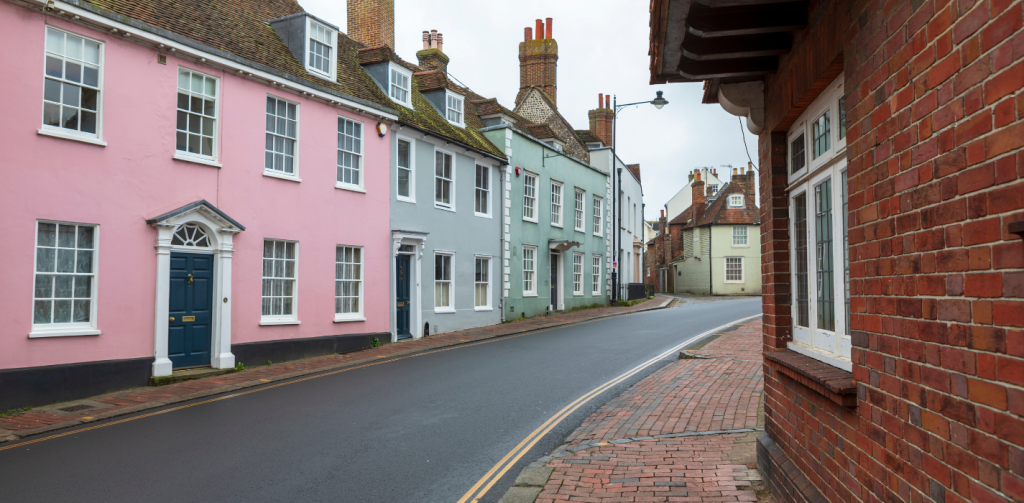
(372, 22)
(538, 67)
(935, 163)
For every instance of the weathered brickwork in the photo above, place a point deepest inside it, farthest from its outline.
(538, 67)
(935, 164)
(372, 22)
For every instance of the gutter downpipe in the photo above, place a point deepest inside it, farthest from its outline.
(711, 261)
(501, 240)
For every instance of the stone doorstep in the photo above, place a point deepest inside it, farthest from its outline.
(13, 436)
(188, 375)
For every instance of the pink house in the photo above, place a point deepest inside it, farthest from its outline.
(180, 196)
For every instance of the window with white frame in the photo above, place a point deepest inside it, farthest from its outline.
(321, 49)
(819, 235)
(482, 283)
(279, 276)
(454, 107)
(399, 88)
(72, 83)
(350, 152)
(580, 214)
(734, 269)
(556, 203)
(444, 179)
(282, 136)
(598, 215)
(530, 197)
(595, 275)
(529, 270)
(714, 188)
(735, 200)
(577, 274)
(348, 282)
(813, 140)
(405, 170)
(443, 294)
(65, 281)
(196, 131)
(482, 201)
(739, 235)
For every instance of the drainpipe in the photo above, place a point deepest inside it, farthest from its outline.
(711, 262)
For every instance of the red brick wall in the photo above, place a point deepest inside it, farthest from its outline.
(538, 67)
(936, 130)
(372, 22)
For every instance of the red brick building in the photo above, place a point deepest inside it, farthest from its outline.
(891, 166)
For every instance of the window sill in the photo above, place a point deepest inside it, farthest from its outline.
(529, 295)
(456, 124)
(345, 319)
(741, 246)
(405, 199)
(444, 311)
(733, 282)
(69, 332)
(532, 221)
(445, 208)
(71, 136)
(265, 323)
(580, 230)
(351, 188)
(178, 156)
(483, 309)
(482, 215)
(831, 382)
(273, 174)
(557, 225)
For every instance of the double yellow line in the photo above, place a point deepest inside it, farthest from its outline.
(498, 470)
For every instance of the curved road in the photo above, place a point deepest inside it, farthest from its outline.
(420, 429)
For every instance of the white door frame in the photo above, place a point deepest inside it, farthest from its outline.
(418, 241)
(559, 303)
(221, 231)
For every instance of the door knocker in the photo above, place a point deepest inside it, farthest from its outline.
(190, 279)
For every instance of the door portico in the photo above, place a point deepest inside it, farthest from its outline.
(218, 230)
(410, 245)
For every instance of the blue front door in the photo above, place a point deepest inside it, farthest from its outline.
(402, 294)
(191, 302)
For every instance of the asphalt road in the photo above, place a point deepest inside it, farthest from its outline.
(421, 429)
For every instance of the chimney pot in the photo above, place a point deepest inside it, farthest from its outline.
(440, 42)
(540, 29)
(426, 39)
(548, 32)
(696, 176)
(600, 100)
(663, 213)
(527, 34)
(538, 66)
(607, 101)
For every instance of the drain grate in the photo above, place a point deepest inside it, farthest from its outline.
(76, 408)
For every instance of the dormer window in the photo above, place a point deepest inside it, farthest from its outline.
(454, 108)
(320, 49)
(735, 201)
(399, 87)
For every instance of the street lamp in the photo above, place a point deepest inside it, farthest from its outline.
(659, 101)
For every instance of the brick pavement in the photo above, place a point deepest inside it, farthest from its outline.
(662, 440)
(41, 420)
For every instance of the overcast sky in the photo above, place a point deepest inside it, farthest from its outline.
(602, 48)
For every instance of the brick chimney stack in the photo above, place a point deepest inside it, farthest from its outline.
(698, 198)
(432, 57)
(751, 188)
(538, 62)
(372, 22)
(601, 120)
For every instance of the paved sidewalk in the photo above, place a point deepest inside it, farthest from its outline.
(684, 433)
(45, 419)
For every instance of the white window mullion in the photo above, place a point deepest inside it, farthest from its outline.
(64, 298)
(350, 153)
(348, 283)
(72, 83)
(280, 292)
(530, 270)
(281, 149)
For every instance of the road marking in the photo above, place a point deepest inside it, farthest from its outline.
(498, 470)
(314, 376)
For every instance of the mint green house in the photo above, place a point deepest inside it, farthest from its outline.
(555, 216)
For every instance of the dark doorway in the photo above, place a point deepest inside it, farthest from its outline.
(555, 280)
(403, 310)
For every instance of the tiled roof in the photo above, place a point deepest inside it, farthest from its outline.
(586, 136)
(431, 80)
(717, 213)
(540, 131)
(239, 27)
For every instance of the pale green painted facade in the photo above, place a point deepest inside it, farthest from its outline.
(542, 237)
(699, 272)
